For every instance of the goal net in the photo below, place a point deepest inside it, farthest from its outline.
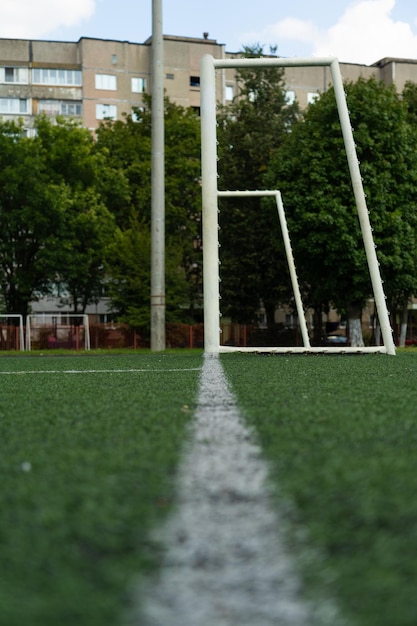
(53, 331)
(211, 193)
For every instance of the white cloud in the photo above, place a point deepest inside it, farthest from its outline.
(290, 28)
(33, 19)
(365, 33)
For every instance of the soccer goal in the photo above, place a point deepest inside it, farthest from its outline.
(211, 193)
(11, 332)
(52, 331)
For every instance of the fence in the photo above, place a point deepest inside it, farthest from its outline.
(11, 337)
(50, 335)
(71, 332)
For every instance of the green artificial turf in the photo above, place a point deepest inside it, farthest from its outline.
(341, 436)
(87, 464)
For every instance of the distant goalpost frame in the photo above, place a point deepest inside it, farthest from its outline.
(210, 195)
(55, 325)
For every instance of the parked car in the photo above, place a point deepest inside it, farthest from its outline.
(336, 340)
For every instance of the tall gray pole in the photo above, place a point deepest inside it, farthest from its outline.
(158, 184)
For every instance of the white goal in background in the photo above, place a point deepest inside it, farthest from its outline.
(11, 334)
(211, 193)
(52, 330)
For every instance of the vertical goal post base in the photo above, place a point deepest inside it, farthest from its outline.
(210, 195)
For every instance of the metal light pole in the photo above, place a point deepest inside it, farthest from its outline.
(158, 184)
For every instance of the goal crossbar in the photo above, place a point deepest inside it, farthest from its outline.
(210, 192)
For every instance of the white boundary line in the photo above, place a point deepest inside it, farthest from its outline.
(114, 371)
(226, 564)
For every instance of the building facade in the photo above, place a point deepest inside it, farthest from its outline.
(94, 79)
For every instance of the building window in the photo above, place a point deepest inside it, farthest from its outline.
(312, 97)
(194, 81)
(106, 81)
(16, 75)
(106, 111)
(49, 76)
(13, 106)
(169, 76)
(58, 107)
(138, 85)
(73, 109)
(49, 107)
(229, 92)
(290, 97)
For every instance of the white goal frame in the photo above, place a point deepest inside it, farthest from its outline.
(211, 193)
(21, 332)
(52, 316)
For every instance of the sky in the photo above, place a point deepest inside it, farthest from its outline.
(355, 31)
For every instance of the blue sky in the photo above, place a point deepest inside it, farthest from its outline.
(356, 31)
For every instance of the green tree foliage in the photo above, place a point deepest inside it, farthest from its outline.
(410, 100)
(31, 212)
(250, 131)
(311, 170)
(128, 260)
(86, 226)
(75, 213)
(126, 145)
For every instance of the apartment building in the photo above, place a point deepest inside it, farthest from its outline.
(93, 79)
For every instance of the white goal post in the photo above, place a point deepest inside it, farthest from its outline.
(211, 193)
(61, 333)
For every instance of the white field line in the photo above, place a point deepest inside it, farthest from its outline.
(226, 563)
(114, 371)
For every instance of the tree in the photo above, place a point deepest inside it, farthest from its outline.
(31, 213)
(126, 145)
(128, 265)
(311, 170)
(250, 131)
(86, 226)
